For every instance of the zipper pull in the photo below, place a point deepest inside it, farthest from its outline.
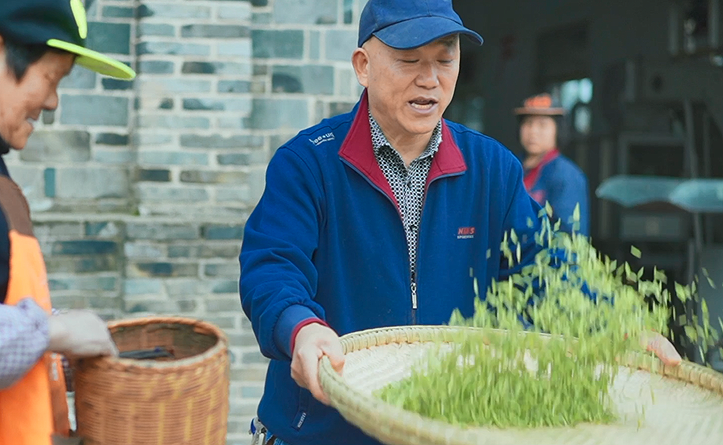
(414, 295)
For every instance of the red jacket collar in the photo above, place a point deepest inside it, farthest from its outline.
(357, 149)
(533, 175)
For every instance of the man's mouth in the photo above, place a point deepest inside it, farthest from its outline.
(31, 121)
(422, 103)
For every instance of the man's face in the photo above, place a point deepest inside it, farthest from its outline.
(538, 134)
(22, 101)
(409, 90)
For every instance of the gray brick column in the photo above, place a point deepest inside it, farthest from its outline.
(194, 99)
(302, 64)
(199, 173)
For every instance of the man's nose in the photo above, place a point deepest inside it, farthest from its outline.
(427, 76)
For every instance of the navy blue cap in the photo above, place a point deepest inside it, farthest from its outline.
(407, 24)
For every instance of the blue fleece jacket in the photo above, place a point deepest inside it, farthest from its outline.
(326, 240)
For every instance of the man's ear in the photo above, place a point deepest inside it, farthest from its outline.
(360, 61)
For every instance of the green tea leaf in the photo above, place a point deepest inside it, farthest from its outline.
(711, 283)
(482, 380)
(691, 332)
(548, 210)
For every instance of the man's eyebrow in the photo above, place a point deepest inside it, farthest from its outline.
(449, 40)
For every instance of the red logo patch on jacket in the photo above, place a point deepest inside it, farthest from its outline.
(465, 233)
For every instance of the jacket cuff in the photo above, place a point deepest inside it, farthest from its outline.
(287, 323)
(298, 327)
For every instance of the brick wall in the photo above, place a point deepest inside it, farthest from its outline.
(196, 152)
(140, 190)
(302, 63)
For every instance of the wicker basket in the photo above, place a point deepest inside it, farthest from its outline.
(180, 400)
(688, 405)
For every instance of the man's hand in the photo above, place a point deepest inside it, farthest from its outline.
(80, 334)
(660, 345)
(313, 342)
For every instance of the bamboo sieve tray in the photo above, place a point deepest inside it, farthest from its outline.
(688, 406)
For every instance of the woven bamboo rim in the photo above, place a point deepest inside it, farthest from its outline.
(394, 426)
(152, 366)
(120, 401)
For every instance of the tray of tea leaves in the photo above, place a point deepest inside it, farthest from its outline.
(563, 366)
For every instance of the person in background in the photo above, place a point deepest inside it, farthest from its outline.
(40, 41)
(551, 177)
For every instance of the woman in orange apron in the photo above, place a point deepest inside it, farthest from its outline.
(40, 41)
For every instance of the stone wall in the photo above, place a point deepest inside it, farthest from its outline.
(302, 63)
(196, 153)
(140, 191)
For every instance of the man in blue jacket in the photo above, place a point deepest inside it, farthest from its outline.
(376, 218)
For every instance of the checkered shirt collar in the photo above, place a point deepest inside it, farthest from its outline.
(379, 140)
